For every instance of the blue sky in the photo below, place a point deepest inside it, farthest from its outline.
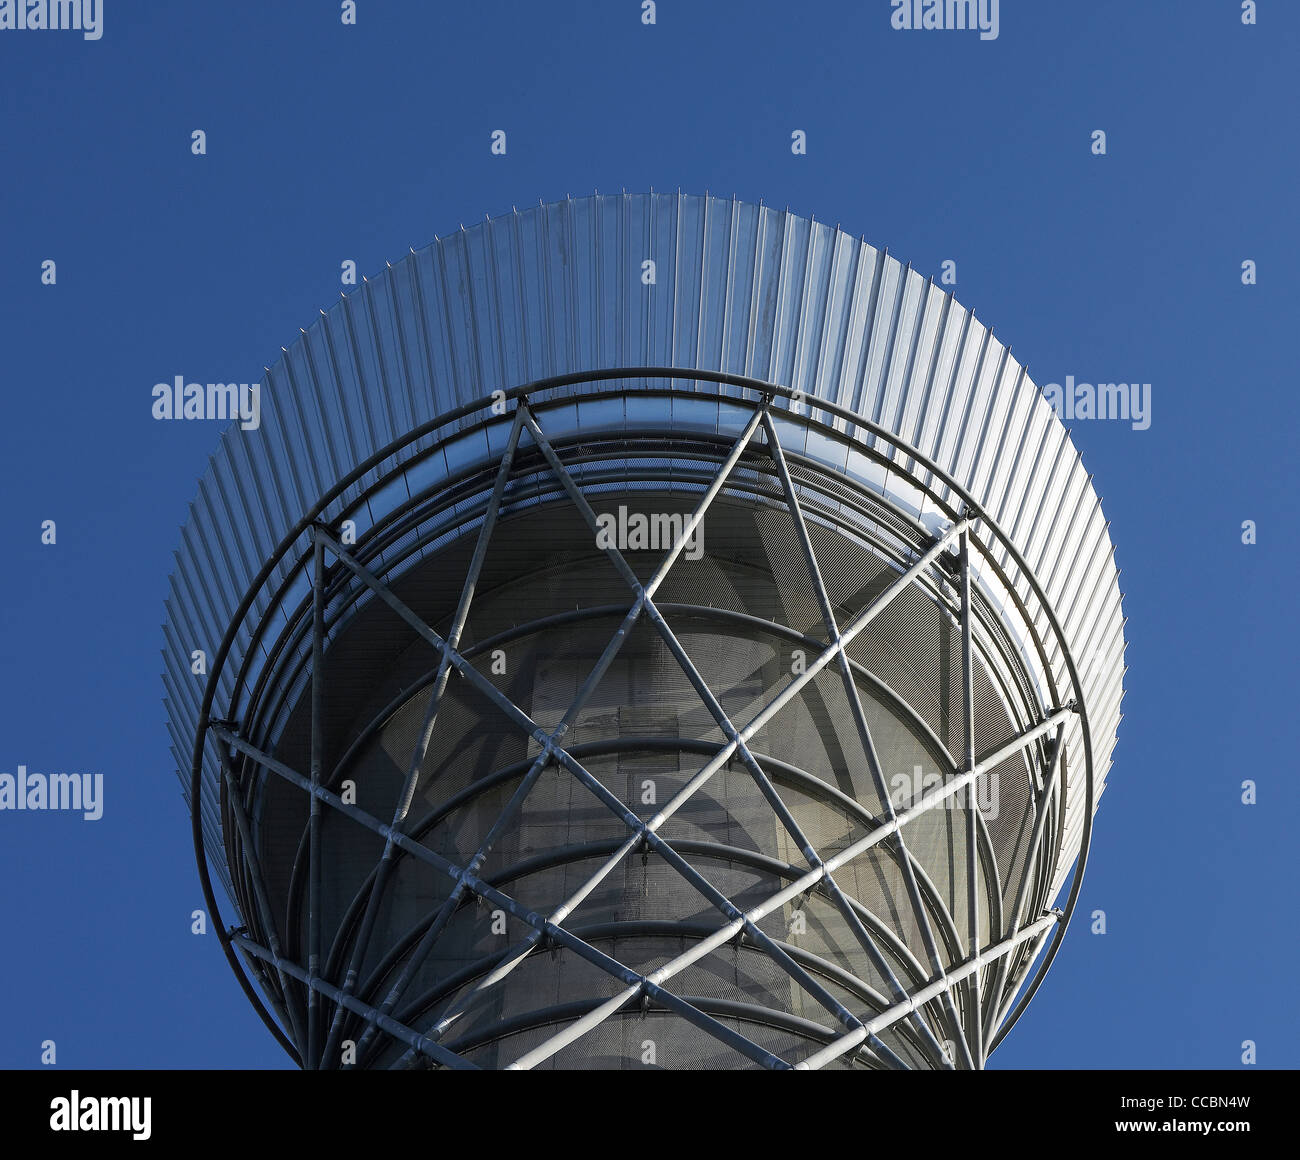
(328, 142)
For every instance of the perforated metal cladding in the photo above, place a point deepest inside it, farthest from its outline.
(916, 653)
(492, 1034)
(736, 978)
(743, 605)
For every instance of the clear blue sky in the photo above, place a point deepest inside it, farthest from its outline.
(327, 142)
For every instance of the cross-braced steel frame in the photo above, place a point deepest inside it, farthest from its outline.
(955, 1010)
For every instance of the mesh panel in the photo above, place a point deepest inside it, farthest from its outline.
(742, 602)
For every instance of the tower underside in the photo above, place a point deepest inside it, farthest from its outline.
(644, 811)
(644, 631)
